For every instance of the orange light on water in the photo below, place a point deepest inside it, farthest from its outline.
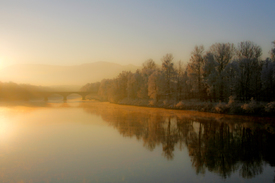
(5, 128)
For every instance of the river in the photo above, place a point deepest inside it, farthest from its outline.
(102, 142)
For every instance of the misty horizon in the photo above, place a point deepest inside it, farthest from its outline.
(58, 75)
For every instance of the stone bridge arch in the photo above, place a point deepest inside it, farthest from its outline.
(65, 94)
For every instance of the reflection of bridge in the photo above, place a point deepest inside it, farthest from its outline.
(66, 94)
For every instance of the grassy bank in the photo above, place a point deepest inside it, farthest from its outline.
(231, 107)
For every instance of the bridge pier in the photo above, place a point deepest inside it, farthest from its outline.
(65, 98)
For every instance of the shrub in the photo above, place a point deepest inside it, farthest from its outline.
(207, 107)
(221, 107)
(231, 100)
(165, 102)
(270, 108)
(234, 106)
(252, 107)
(179, 105)
(169, 103)
(152, 102)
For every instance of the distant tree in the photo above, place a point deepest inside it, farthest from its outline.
(13, 91)
(248, 50)
(248, 54)
(272, 52)
(148, 67)
(122, 83)
(268, 80)
(134, 85)
(169, 73)
(187, 86)
(106, 89)
(91, 87)
(222, 55)
(156, 85)
(181, 80)
(195, 69)
(232, 77)
(211, 77)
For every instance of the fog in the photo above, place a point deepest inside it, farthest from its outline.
(62, 77)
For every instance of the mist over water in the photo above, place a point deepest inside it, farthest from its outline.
(63, 78)
(103, 142)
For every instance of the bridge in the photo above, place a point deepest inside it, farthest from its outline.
(46, 95)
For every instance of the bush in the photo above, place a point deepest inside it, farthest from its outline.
(270, 108)
(180, 105)
(169, 103)
(231, 101)
(252, 107)
(221, 108)
(207, 107)
(152, 102)
(234, 106)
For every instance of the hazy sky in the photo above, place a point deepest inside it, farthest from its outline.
(69, 32)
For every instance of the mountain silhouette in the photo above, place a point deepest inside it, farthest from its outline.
(38, 74)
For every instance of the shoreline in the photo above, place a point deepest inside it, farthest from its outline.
(253, 108)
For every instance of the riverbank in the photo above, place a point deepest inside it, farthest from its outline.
(231, 107)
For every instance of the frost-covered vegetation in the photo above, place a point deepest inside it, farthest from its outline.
(223, 79)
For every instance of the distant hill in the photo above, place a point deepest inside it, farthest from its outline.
(49, 75)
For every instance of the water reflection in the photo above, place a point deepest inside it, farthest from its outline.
(92, 141)
(217, 143)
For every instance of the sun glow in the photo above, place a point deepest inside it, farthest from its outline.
(2, 63)
(5, 128)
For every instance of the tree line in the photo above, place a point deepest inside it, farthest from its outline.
(215, 74)
(11, 91)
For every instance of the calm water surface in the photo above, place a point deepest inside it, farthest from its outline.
(102, 142)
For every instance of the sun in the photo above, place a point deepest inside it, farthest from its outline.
(4, 128)
(3, 63)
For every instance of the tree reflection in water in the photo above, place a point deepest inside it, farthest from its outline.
(218, 143)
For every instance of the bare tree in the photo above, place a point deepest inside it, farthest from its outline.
(222, 54)
(195, 68)
(169, 72)
(210, 76)
(155, 85)
(272, 52)
(248, 54)
(148, 67)
(248, 50)
(268, 80)
(180, 80)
